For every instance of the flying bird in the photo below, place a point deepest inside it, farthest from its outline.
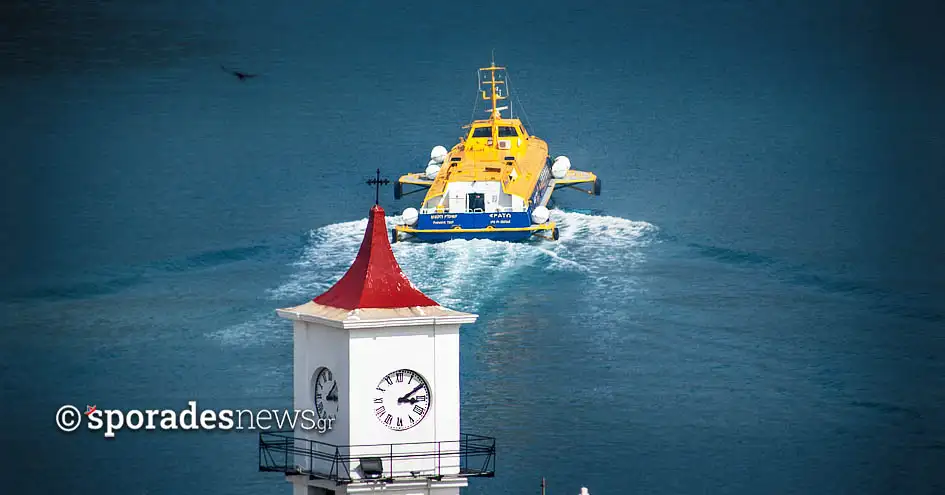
(242, 76)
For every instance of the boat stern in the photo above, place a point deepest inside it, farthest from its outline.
(498, 226)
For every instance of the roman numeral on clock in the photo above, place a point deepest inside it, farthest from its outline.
(379, 411)
(379, 400)
(418, 410)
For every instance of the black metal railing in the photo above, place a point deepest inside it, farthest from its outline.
(471, 455)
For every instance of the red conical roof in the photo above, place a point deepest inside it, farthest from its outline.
(375, 280)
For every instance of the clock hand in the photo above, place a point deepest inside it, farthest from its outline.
(408, 394)
(333, 393)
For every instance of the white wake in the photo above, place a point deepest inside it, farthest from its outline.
(463, 274)
(450, 271)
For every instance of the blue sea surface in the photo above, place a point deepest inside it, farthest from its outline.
(756, 303)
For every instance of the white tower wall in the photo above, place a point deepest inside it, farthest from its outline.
(433, 352)
(317, 345)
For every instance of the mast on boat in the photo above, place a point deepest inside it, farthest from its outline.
(494, 94)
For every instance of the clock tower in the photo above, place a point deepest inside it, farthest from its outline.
(377, 363)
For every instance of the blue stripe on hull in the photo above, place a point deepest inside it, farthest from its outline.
(510, 236)
(474, 221)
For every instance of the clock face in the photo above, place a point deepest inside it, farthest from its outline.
(325, 393)
(401, 399)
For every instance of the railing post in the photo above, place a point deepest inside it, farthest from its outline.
(492, 456)
(391, 460)
(311, 459)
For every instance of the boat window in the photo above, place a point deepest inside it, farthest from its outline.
(482, 132)
(477, 202)
(507, 131)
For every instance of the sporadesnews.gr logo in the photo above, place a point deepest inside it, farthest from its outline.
(69, 419)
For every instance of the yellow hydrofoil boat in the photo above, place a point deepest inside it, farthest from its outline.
(496, 183)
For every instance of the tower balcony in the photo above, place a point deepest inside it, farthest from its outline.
(471, 455)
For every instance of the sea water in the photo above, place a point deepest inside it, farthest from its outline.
(754, 305)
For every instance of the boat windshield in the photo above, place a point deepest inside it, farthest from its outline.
(482, 132)
(504, 131)
(507, 131)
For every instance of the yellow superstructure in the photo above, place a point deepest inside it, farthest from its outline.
(494, 149)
